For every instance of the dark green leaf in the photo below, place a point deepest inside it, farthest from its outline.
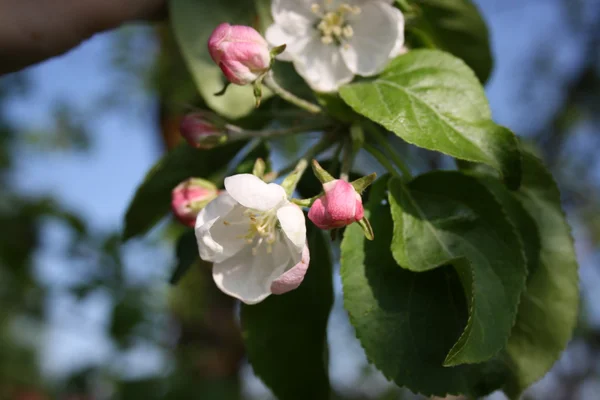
(433, 100)
(455, 26)
(187, 255)
(446, 218)
(407, 321)
(153, 197)
(549, 306)
(286, 335)
(193, 21)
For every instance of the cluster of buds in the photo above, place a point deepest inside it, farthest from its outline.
(190, 197)
(340, 204)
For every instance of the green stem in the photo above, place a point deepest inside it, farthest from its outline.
(236, 133)
(270, 82)
(347, 160)
(383, 160)
(335, 159)
(392, 154)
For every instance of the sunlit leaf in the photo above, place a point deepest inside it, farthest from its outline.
(433, 100)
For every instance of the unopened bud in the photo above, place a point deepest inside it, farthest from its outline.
(190, 197)
(201, 132)
(341, 205)
(241, 52)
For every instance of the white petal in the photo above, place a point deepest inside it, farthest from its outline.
(294, 16)
(251, 192)
(249, 277)
(276, 36)
(293, 224)
(293, 277)
(399, 45)
(321, 65)
(220, 229)
(376, 32)
(208, 248)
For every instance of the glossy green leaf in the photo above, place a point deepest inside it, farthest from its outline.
(193, 21)
(407, 321)
(433, 100)
(455, 26)
(153, 197)
(549, 306)
(446, 218)
(286, 335)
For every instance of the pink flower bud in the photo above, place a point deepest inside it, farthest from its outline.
(190, 197)
(340, 206)
(199, 131)
(240, 51)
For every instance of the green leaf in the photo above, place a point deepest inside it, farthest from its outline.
(153, 197)
(455, 26)
(286, 335)
(549, 306)
(407, 321)
(433, 100)
(193, 21)
(187, 254)
(446, 218)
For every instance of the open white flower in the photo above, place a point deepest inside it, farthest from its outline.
(256, 239)
(330, 41)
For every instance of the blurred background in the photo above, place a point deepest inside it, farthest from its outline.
(84, 317)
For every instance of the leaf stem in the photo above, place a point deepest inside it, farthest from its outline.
(347, 160)
(236, 133)
(270, 82)
(383, 160)
(392, 154)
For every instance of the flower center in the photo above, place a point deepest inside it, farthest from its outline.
(263, 229)
(333, 25)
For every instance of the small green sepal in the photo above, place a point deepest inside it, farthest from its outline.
(275, 51)
(257, 86)
(259, 168)
(222, 91)
(364, 182)
(322, 175)
(367, 229)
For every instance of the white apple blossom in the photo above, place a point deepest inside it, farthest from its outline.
(330, 41)
(255, 237)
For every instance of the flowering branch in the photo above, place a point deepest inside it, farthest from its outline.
(270, 82)
(236, 133)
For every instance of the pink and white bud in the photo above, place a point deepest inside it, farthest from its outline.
(292, 278)
(190, 197)
(241, 53)
(340, 206)
(200, 132)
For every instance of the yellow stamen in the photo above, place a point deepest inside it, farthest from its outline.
(334, 25)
